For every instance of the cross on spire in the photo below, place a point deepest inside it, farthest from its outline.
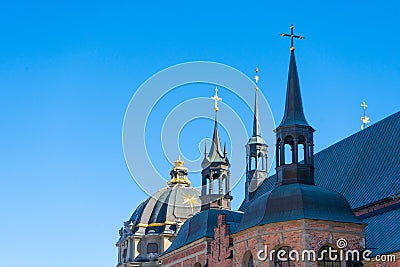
(292, 36)
(256, 78)
(365, 119)
(216, 99)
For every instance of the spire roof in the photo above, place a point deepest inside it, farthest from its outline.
(216, 149)
(256, 137)
(256, 125)
(216, 153)
(294, 114)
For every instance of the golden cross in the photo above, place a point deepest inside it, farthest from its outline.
(292, 36)
(216, 99)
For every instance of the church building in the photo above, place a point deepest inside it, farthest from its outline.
(345, 198)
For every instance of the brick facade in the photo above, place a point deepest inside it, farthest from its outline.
(229, 250)
(299, 235)
(222, 245)
(190, 255)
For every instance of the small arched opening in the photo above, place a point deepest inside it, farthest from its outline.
(282, 257)
(248, 260)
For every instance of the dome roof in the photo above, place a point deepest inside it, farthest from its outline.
(297, 201)
(163, 210)
(202, 225)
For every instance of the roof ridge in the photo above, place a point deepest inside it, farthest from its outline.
(372, 126)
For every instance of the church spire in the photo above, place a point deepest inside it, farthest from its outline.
(216, 171)
(294, 136)
(256, 124)
(294, 114)
(216, 149)
(256, 152)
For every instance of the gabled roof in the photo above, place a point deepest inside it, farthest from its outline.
(364, 167)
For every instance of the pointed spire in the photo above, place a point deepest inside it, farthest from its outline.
(256, 125)
(215, 149)
(225, 149)
(295, 132)
(294, 114)
(216, 144)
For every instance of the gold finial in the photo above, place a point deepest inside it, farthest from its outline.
(216, 99)
(179, 162)
(256, 78)
(179, 173)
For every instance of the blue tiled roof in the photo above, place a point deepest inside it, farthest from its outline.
(202, 225)
(383, 241)
(364, 167)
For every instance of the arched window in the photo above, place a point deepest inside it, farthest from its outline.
(288, 154)
(302, 150)
(288, 150)
(328, 257)
(282, 259)
(260, 161)
(253, 163)
(224, 184)
(248, 260)
(278, 152)
(152, 248)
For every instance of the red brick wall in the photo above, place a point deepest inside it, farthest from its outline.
(222, 245)
(299, 235)
(186, 256)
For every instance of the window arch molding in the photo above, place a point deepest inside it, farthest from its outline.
(248, 260)
(286, 262)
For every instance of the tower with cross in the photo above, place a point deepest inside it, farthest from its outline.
(294, 136)
(215, 191)
(256, 152)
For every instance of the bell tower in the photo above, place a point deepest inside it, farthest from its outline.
(215, 193)
(256, 153)
(294, 136)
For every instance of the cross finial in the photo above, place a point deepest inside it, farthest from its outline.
(364, 105)
(292, 36)
(216, 99)
(365, 119)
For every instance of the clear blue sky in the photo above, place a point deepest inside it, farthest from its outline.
(68, 70)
